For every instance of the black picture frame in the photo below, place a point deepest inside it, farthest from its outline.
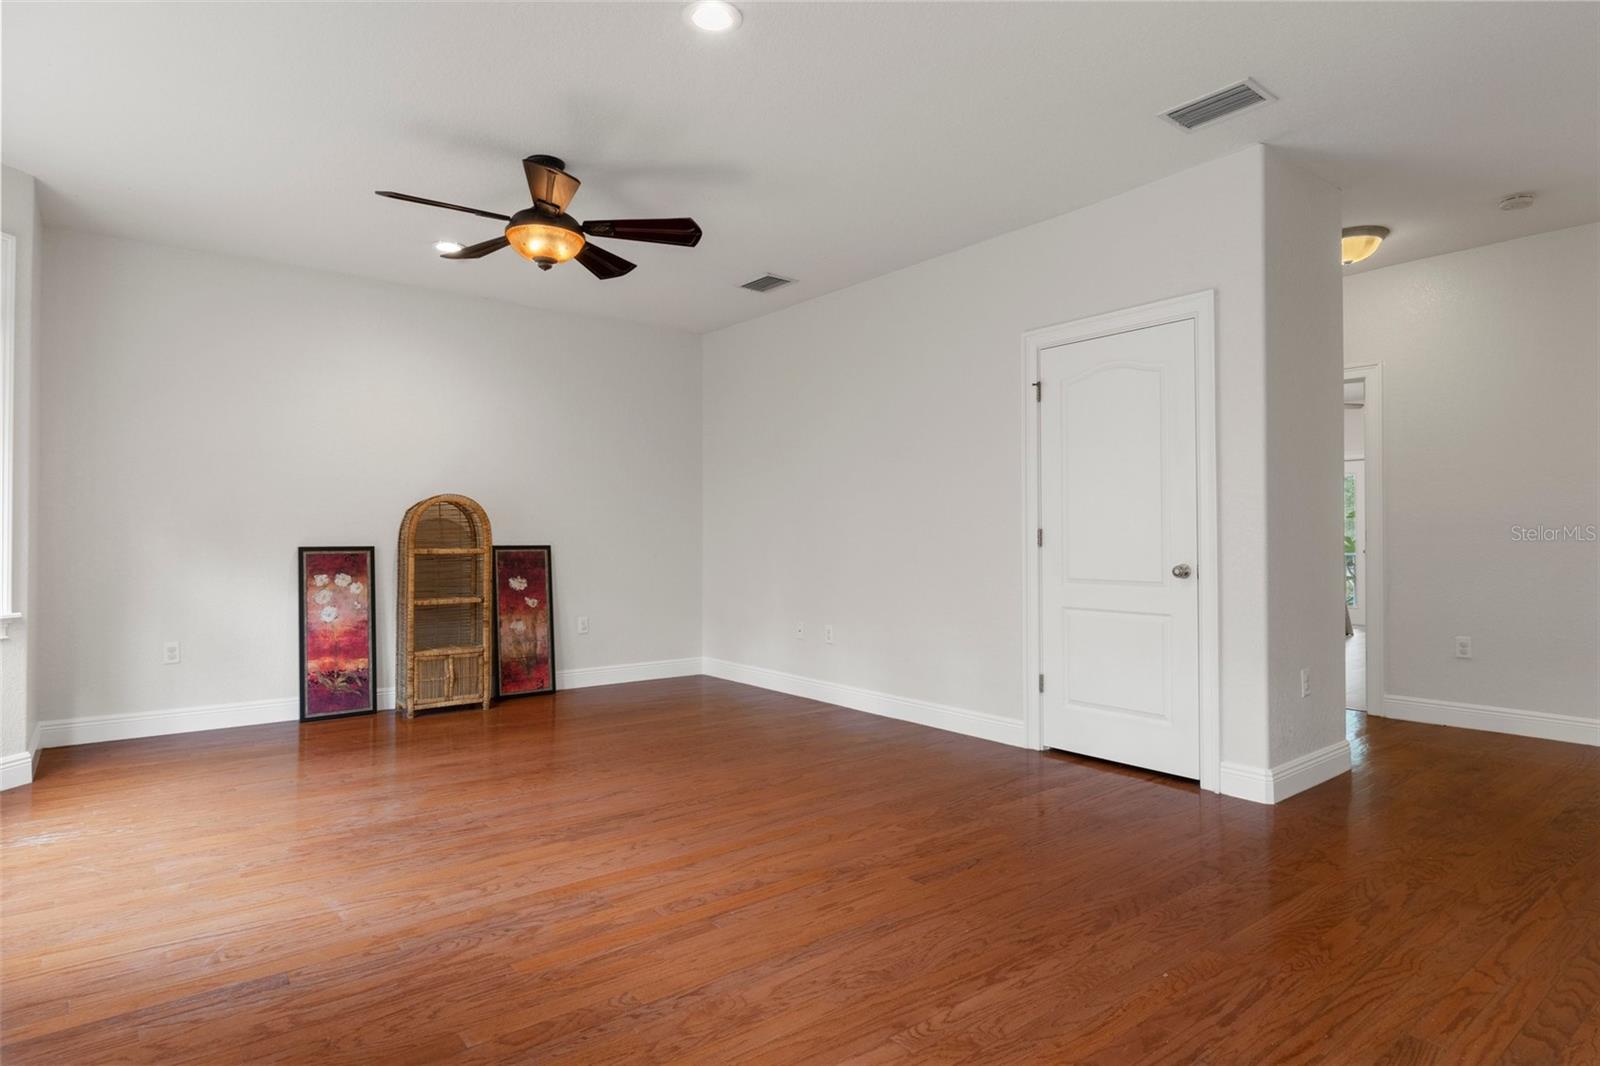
(304, 578)
(500, 589)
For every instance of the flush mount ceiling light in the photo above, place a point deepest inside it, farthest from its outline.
(1358, 242)
(713, 16)
(1517, 201)
(446, 247)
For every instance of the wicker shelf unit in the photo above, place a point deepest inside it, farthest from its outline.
(443, 639)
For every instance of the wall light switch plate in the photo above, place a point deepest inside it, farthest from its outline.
(170, 653)
(827, 634)
(1463, 647)
(799, 631)
(583, 623)
(1305, 683)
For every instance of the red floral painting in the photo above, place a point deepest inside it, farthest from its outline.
(525, 653)
(336, 645)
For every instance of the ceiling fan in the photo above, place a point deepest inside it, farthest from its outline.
(547, 235)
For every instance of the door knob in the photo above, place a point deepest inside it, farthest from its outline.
(1181, 570)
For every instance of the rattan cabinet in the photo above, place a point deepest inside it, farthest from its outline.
(443, 604)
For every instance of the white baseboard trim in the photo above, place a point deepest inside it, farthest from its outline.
(64, 732)
(1540, 724)
(23, 767)
(953, 719)
(1286, 779)
(16, 770)
(588, 676)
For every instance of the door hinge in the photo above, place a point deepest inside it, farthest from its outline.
(1041, 682)
(1038, 392)
(1040, 538)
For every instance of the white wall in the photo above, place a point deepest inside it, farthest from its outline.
(1491, 377)
(203, 416)
(19, 216)
(1305, 380)
(863, 450)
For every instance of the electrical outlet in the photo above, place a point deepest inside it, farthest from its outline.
(1463, 647)
(170, 653)
(583, 624)
(827, 634)
(1305, 683)
(799, 631)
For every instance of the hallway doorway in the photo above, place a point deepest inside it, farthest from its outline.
(1363, 539)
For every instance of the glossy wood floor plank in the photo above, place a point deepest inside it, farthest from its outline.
(696, 871)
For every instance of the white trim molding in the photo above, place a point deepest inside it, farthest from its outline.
(623, 673)
(1200, 308)
(16, 770)
(1286, 779)
(980, 724)
(64, 732)
(1540, 724)
(23, 767)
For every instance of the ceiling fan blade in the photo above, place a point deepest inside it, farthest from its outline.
(478, 251)
(680, 231)
(440, 203)
(602, 264)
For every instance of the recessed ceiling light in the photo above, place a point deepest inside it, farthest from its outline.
(713, 16)
(446, 247)
(1358, 242)
(1517, 201)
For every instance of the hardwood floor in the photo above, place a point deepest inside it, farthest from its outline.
(696, 871)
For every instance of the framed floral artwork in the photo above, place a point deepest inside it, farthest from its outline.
(337, 642)
(524, 638)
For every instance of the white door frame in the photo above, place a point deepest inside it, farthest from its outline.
(1371, 375)
(1200, 308)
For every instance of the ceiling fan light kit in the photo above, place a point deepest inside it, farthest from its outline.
(546, 235)
(544, 238)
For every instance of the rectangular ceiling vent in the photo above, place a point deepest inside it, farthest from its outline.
(766, 283)
(1218, 105)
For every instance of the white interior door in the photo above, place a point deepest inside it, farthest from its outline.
(1355, 533)
(1118, 509)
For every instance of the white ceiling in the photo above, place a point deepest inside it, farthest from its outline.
(825, 142)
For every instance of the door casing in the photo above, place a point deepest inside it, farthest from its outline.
(1200, 308)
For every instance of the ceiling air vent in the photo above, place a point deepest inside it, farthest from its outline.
(766, 283)
(1217, 105)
